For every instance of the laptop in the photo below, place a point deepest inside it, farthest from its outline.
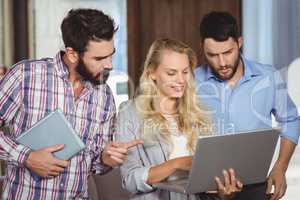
(51, 130)
(248, 153)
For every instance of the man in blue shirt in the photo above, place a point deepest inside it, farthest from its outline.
(244, 95)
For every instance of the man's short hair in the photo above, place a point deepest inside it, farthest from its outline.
(219, 26)
(82, 25)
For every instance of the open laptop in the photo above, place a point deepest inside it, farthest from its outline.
(248, 153)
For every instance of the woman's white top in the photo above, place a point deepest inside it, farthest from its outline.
(179, 147)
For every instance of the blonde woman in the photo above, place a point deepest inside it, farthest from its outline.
(167, 116)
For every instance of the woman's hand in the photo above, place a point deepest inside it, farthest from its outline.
(231, 185)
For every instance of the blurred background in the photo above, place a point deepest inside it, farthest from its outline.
(271, 31)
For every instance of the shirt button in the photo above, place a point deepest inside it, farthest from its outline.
(61, 185)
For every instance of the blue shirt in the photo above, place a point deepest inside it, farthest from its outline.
(258, 95)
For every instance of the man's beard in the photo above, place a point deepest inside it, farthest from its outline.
(233, 67)
(99, 79)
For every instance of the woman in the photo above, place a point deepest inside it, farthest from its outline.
(166, 115)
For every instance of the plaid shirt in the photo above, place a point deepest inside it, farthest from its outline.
(30, 91)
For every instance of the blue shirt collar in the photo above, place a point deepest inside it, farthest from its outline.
(250, 71)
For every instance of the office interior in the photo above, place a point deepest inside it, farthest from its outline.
(29, 29)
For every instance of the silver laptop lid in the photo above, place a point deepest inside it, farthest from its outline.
(248, 153)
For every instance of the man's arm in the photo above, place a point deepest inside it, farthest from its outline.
(114, 153)
(10, 101)
(286, 115)
(104, 136)
(277, 175)
(41, 161)
(107, 152)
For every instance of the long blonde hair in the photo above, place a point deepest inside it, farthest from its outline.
(192, 121)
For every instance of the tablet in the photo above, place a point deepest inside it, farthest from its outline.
(51, 130)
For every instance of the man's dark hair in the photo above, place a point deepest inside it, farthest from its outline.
(82, 25)
(219, 26)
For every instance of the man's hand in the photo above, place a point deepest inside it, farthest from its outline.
(43, 163)
(278, 179)
(277, 176)
(231, 185)
(115, 153)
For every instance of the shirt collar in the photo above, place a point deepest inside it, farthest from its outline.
(63, 71)
(61, 67)
(250, 70)
(209, 73)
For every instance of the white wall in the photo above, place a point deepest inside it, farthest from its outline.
(293, 81)
(257, 30)
(48, 15)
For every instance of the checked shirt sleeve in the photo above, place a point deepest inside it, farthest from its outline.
(10, 102)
